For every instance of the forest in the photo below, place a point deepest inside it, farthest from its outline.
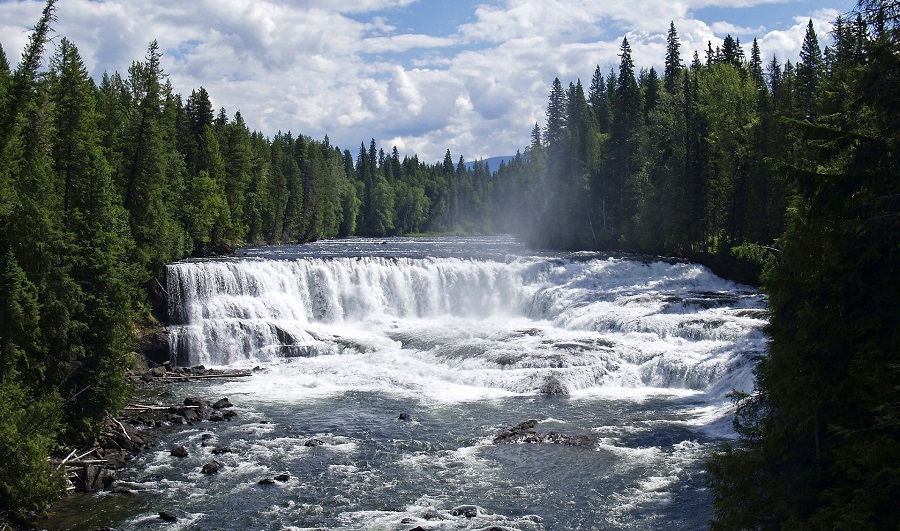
(788, 169)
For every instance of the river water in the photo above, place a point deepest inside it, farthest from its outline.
(463, 337)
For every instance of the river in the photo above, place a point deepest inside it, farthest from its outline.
(463, 338)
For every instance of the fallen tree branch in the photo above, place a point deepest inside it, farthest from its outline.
(140, 407)
(86, 462)
(124, 432)
(61, 463)
(176, 376)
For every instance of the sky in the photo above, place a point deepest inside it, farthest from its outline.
(422, 75)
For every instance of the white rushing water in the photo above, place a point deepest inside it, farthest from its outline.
(457, 329)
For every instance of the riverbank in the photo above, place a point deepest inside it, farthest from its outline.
(94, 473)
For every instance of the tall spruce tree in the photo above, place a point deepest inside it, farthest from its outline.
(622, 183)
(673, 60)
(809, 72)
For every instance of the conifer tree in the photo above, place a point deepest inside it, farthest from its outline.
(809, 72)
(624, 163)
(673, 60)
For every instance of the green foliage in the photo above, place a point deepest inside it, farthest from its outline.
(822, 448)
(27, 427)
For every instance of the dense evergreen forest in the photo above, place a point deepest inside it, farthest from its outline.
(721, 158)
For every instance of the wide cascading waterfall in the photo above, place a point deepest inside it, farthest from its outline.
(520, 325)
(230, 311)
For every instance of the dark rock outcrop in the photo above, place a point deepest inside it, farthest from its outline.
(179, 451)
(526, 433)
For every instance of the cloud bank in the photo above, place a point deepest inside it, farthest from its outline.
(351, 72)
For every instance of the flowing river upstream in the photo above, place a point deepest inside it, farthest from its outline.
(383, 371)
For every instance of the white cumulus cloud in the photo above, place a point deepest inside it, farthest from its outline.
(345, 69)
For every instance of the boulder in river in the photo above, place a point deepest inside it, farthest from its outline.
(202, 405)
(526, 433)
(222, 403)
(167, 517)
(520, 433)
(191, 415)
(266, 481)
(211, 468)
(282, 477)
(179, 451)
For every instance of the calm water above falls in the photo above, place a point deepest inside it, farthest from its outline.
(467, 337)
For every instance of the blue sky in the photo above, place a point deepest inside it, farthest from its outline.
(422, 75)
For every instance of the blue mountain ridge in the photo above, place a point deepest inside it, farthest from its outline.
(493, 162)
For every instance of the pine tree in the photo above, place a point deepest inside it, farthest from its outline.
(622, 184)
(143, 173)
(673, 60)
(5, 79)
(554, 132)
(599, 101)
(809, 73)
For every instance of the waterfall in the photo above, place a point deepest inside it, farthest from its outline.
(522, 324)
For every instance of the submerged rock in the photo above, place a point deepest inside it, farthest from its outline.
(282, 477)
(570, 440)
(432, 514)
(167, 517)
(553, 386)
(469, 511)
(266, 481)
